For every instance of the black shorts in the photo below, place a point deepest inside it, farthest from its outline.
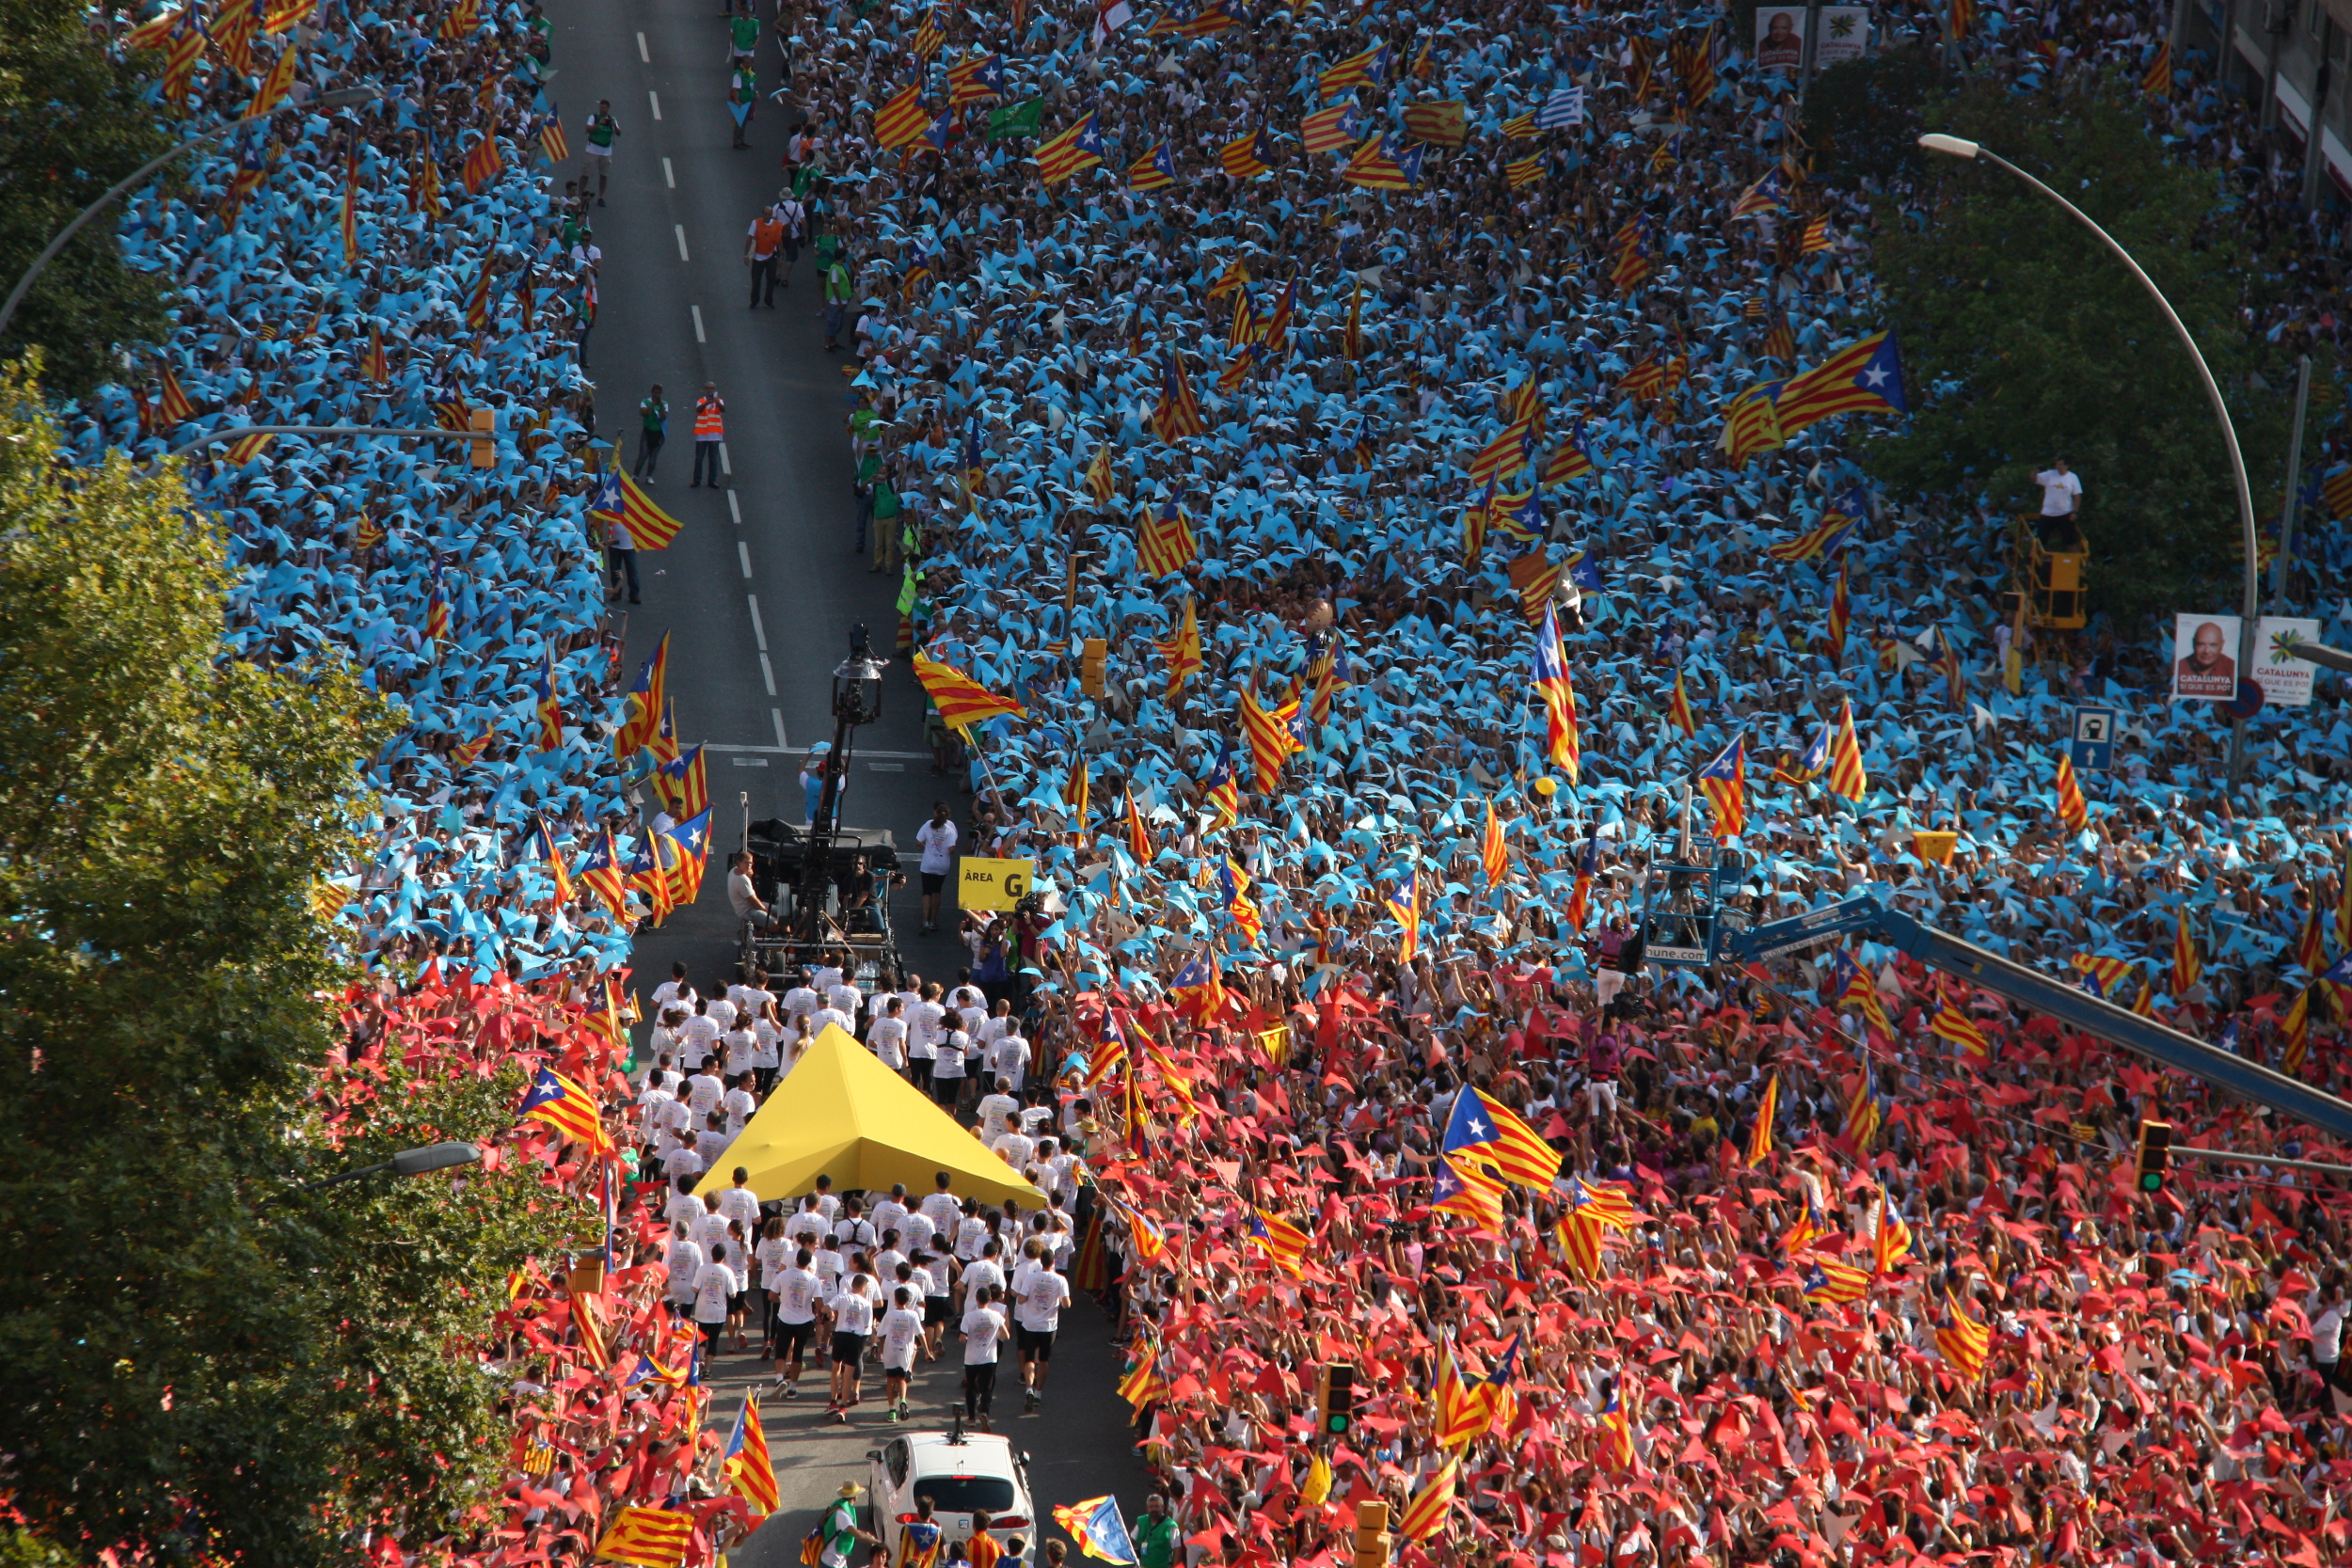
(794, 1337)
(847, 1349)
(933, 880)
(1033, 1344)
(936, 1308)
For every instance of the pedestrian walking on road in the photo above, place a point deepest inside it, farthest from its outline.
(795, 220)
(938, 839)
(709, 431)
(602, 128)
(761, 246)
(620, 557)
(653, 430)
(838, 288)
(743, 97)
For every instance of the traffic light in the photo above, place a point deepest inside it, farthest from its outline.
(1335, 1398)
(1090, 678)
(482, 449)
(2155, 1153)
(1372, 1535)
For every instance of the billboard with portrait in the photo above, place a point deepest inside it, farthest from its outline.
(2204, 658)
(1780, 39)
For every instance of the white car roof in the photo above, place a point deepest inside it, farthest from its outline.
(981, 1453)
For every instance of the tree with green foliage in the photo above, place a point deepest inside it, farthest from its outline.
(2024, 340)
(72, 123)
(1863, 116)
(194, 1359)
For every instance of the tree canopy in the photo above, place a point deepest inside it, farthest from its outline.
(2024, 341)
(194, 1359)
(72, 123)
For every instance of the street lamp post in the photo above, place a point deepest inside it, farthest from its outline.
(1958, 147)
(409, 1162)
(341, 98)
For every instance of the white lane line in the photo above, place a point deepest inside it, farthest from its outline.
(656, 98)
(642, 54)
(668, 175)
(726, 467)
(681, 241)
(760, 628)
(780, 749)
(734, 508)
(887, 767)
(698, 326)
(750, 762)
(743, 553)
(767, 674)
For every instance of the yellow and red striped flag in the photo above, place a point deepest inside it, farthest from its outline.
(278, 83)
(1760, 1136)
(1491, 852)
(1182, 651)
(1425, 1516)
(1845, 759)
(2071, 809)
(1072, 151)
(1280, 1240)
(556, 1101)
(1679, 709)
(483, 164)
(1163, 545)
(961, 701)
(903, 119)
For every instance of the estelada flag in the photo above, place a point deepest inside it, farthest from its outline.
(1965, 1342)
(1072, 150)
(747, 1471)
(557, 1102)
(1331, 130)
(1866, 377)
(552, 141)
(961, 701)
(621, 500)
(648, 1537)
(277, 84)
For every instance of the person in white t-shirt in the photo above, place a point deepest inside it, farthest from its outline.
(890, 1213)
(983, 1273)
(983, 1331)
(901, 1331)
(830, 1017)
(770, 1259)
(704, 1091)
(801, 1000)
(1036, 1314)
(1014, 1149)
(698, 1037)
(738, 1202)
(715, 1289)
(1007, 1059)
(939, 1295)
(947, 1079)
(739, 1105)
(998, 1111)
(938, 839)
(684, 1259)
(2061, 494)
(673, 991)
(941, 1205)
(843, 997)
(853, 1325)
(796, 1289)
(887, 1038)
(925, 1017)
(720, 1011)
(767, 1047)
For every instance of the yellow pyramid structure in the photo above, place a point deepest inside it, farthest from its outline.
(840, 1113)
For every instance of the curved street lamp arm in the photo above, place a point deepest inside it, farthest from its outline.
(65, 235)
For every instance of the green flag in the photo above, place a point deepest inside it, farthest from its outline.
(1016, 120)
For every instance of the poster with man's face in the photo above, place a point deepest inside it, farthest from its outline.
(1780, 39)
(2204, 658)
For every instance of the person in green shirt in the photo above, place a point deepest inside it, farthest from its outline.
(601, 130)
(839, 1528)
(1155, 1535)
(838, 288)
(742, 36)
(653, 430)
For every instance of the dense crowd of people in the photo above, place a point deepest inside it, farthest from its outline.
(1843, 1260)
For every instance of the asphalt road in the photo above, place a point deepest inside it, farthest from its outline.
(760, 590)
(758, 595)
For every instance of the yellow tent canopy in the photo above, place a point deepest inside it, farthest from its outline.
(840, 1113)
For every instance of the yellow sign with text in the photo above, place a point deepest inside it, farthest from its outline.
(984, 883)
